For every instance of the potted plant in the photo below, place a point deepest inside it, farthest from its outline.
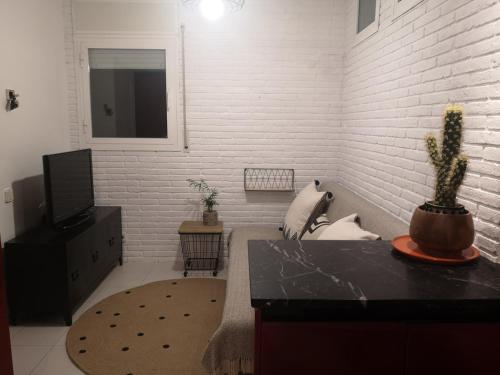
(208, 199)
(442, 225)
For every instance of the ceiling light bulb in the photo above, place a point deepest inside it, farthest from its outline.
(212, 10)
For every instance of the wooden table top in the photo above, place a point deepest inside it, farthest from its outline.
(197, 227)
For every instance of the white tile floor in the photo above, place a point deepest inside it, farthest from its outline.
(40, 349)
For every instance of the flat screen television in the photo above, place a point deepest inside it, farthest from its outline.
(69, 185)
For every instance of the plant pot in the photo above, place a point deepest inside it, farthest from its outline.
(210, 218)
(441, 232)
(436, 208)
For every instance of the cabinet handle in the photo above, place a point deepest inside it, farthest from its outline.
(75, 275)
(95, 256)
(112, 241)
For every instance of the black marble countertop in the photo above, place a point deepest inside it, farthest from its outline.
(366, 280)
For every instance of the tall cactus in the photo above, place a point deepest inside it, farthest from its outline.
(449, 164)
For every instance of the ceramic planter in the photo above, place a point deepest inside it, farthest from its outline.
(210, 218)
(441, 232)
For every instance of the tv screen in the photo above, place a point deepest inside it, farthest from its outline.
(69, 188)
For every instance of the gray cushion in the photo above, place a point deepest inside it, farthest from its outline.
(372, 218)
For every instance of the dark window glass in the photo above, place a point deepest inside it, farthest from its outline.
(128, 92)
(366, 13)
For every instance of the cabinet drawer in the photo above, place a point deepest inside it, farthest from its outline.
(79, 267)
(115, 237)
(109, 240)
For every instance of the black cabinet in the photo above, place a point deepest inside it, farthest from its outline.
(55, 271)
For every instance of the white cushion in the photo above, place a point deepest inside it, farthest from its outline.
(307, 206)
(347, 229)
(318, 226)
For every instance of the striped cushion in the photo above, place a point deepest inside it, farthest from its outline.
(318, 226)
(306, 207)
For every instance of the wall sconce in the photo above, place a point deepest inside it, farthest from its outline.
(12, 102)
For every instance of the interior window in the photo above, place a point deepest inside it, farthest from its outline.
(366, 13)
(128, 93)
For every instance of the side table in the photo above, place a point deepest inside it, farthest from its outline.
(201, 245)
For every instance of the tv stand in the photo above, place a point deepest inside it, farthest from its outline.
(56, 271)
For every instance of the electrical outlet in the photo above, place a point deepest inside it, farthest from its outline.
(8, 195)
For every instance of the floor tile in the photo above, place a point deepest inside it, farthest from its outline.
(206, 274)
(62, 340)
(39, 336)
(130, 271)
(162, 271)
(112, 284)
(14, 330)
(113, 289)
(26, 358)
(56, 362)
(165, 271)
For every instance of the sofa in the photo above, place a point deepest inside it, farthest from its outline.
(230, 351)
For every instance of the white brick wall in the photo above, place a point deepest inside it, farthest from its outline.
(264, 89)
(271, 86)
(396, 86)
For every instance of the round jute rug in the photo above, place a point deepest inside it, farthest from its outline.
(160, 328)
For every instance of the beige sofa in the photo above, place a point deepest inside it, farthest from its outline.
(230, 350)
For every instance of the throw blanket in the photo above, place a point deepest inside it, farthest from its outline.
(230, 351)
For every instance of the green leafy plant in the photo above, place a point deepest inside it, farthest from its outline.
(209, 198)
(449, 163)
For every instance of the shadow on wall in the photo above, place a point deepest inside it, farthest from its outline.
(28, 203)
(269, 196)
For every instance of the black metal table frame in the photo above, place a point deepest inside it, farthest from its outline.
(190, 262)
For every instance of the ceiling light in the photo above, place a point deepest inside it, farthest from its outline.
(212, 10)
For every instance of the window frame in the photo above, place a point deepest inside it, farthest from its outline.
(173, 142)
(369, 30)
(402, 7)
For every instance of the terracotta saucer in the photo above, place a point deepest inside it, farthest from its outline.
(406, 246)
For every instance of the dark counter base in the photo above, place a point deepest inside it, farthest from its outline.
(336, 348)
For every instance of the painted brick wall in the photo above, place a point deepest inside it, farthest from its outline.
(270, 86)
(396, 86)
(264, 89)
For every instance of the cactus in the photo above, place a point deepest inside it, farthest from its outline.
(449, 164)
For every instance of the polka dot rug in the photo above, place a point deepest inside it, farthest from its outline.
(159, 328)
